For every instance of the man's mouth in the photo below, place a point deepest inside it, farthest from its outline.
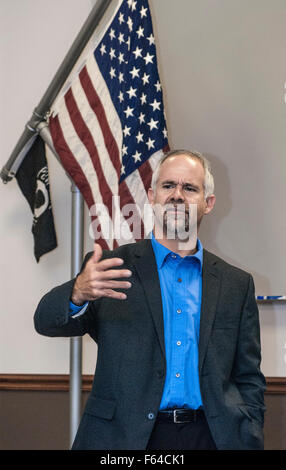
(175, 210)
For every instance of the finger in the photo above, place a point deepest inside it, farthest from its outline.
(113, 285)
(114, 274)
(109, 263)
(97, 253)
(114, 295)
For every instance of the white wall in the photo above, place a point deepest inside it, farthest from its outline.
(223, 68)
(37, 35)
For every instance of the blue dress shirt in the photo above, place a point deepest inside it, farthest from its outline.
(181, 289)
(77, 310)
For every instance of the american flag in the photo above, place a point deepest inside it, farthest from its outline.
(109, 127)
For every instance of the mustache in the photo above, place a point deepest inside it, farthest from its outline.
(173, 207)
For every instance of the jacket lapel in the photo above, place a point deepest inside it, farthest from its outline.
(145, 265)
(210, 293)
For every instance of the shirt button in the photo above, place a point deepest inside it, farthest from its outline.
(151, 416)
(178, 375)
(179, 343)
(174, 256)
(179, 280)
(179, 310)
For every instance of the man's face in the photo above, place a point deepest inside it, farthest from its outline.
(180, 183)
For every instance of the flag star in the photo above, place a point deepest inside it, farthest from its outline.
(158, 86)
(112, 34)
(140, 32)
(130, 3)
(121, 38)
(155, 105)
(145, 79)
(121, 18)
(143, 12)
(112, 72)
(150, 143)
(122, 169)
(126, 131)
(129, 112)
(137, 52)
(121, 97)
(130, 23)
(131, 92)
(148, 58)
(103, 49)
(143, 99)
(112, 53)
(139, 137)
(133, 6)
(135, 72)
(151, 40)
(142, 118)
(152, 124)
(124, 149)
(136, 156)
(165, 133)
(121, 77)
(121, 57)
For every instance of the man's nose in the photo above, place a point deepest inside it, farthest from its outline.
(178, 193)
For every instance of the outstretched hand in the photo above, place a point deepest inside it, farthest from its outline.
(99, 279)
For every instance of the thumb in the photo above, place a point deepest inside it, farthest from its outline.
(97, 253)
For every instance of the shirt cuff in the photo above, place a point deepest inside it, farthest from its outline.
(77, 310)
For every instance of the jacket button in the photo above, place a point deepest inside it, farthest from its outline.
(151, 416)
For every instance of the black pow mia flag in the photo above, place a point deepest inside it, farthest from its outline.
(33, 179)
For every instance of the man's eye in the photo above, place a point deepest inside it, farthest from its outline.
(167, 186)
(189, 188)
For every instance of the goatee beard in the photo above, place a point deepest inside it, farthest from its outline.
(176, 224)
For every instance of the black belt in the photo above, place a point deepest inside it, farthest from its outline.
(180, 415)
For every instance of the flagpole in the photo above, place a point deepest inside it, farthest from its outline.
(77, 241)
(76, 343)
(40, 112)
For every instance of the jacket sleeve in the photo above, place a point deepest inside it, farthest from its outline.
(52, 317)
(246, 373)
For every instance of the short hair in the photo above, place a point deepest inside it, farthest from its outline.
(209, 179)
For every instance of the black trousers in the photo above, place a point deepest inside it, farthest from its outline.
(186, 436)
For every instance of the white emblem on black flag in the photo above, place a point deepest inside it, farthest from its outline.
(33, 179)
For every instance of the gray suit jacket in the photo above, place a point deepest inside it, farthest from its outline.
(131, 364)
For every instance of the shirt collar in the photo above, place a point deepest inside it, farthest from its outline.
(161, 252)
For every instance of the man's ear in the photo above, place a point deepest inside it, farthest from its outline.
(151, 196)
(210, 202)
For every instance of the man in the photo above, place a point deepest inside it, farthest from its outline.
(177, 330)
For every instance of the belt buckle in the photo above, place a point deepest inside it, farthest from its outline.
(176, 420)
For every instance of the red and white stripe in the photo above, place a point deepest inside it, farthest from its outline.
(87, 135)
